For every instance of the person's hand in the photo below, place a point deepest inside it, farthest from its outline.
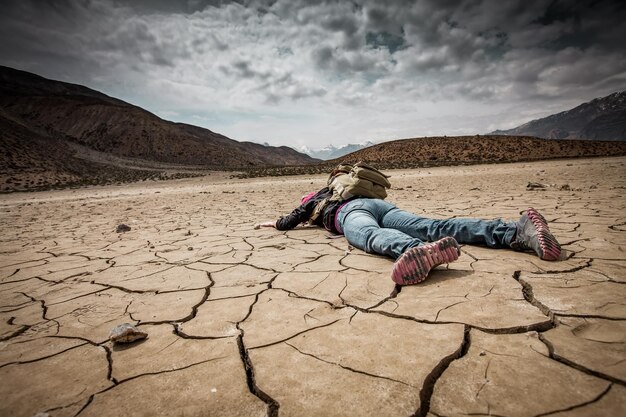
(265, 224)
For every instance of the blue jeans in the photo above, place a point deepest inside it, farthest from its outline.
(377, 226)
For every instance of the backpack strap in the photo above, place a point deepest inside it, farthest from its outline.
(319, 208)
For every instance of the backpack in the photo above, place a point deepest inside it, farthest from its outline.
(360, 180)
(347, 181)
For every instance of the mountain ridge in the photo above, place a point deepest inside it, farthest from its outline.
(332, 152)
(602, 118)
(88, 117)
(425, 152)
(54, 133)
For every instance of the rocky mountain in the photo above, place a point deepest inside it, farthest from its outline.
(600, 119)
(332, 152)
(68, 131)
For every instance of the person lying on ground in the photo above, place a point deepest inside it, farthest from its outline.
(418, 244)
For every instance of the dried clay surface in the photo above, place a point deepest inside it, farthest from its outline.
(245, 322)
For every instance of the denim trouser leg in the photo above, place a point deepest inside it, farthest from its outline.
(493, 233)
(377, 226)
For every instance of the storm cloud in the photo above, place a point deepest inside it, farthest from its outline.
(296, 72)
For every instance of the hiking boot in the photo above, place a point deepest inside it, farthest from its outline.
(533, 233)
(415, 264)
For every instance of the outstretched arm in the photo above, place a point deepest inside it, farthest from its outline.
(265, 224)
(298, 215)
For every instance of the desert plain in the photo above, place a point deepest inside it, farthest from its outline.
(246, 322)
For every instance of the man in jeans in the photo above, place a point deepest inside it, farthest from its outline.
(377, 226)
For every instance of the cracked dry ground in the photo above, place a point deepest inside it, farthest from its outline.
(261, 322)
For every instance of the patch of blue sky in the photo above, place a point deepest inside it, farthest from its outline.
(387, 40)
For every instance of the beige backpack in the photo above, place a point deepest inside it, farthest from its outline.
(347, 181)
(360, 180)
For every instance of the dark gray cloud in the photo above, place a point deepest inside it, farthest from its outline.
(172, 6)
(333, 55)
(284, 87)
(435, 35)
(48, 38)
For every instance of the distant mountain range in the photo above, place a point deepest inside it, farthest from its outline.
(332, 152)
(600, 119)
(71, 132)
(56, 134)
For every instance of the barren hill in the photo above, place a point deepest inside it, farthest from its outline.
(603, 118)
(458, 150)
(478, 149)
(64, 129)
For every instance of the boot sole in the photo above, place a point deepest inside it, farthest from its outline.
(549, 247)
(415, 264)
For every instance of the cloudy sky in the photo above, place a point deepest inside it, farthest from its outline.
(296, 72)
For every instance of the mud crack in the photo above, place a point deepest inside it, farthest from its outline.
(553, 355)
(593, 400)
(272, 405)
(529, 296)
(347, 368)
(426, 392)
